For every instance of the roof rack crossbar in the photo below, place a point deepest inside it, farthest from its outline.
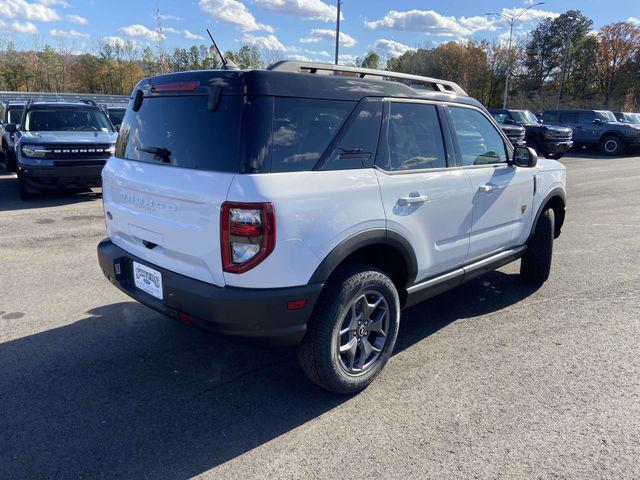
(439, 85)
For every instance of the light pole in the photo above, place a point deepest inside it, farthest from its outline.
(338, 31)
(511, 20)
(564, 62)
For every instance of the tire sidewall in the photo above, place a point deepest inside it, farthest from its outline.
(610, 141)
(382, 284)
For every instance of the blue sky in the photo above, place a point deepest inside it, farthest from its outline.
(299, 29)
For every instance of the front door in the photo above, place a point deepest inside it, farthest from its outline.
(502, 193)
(425, 197)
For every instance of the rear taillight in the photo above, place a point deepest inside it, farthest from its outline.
(247, 235)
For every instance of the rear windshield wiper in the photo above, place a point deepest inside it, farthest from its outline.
(162, 152)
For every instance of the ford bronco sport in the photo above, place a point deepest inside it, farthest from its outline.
(547, 140)
(61, 145)
(307, 204)
(596, 128)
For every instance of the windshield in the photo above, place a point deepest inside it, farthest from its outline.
(14, 115)
(63, 119)
(524, 116)
(631, 117)
(500, 117)
(116, 116)
(606, 115)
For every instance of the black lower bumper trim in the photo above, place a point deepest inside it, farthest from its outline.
(252, 314)
(60, 177)
(551, 147)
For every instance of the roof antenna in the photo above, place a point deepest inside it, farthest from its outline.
(226, 64)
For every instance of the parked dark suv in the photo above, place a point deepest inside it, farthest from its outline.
(552, 142)
(61, 145)
(598, 128)
(10, 113)
(515, 133)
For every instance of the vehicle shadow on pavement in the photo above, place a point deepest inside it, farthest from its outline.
(128, 393)
(9, 199)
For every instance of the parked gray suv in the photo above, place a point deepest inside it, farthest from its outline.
(61, 145)
(596, 128)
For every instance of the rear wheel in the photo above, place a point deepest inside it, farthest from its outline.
(535, 265)
(353, 331)
(612, 145)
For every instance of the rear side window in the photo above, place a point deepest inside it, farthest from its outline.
(550, 116)
(568, 117)
(586, 117)
(479, 141)
(414, 137)
(302, 131)
(183, 132)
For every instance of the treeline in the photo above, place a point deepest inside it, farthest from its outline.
(602, 69)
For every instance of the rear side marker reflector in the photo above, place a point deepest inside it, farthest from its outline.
(183, 317)
(297, 304)
(175, 87)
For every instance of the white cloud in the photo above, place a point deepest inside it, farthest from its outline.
(634, 20)
(299, 58)
(269, 42)
(20, 27)
(347, 59)
(137, 30)
(233, 12)
(431, 22)
(77, 19)
(165, 16)
(318, 34)
(67, 33)
(51, 3)
(192, 36)
(530, 15)
(115, 41)
(305, 9)
(390, 48)
(29, 11)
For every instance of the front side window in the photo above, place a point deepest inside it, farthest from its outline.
(302, 131)
(14, 115)
(585, 117)
(550, 116)
(500, 117)
(64, 119)
(606, 116)
(479, 141)
(414, 138)
(524, 116)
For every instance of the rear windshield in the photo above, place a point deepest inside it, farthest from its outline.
(62, 119)
(182, 131)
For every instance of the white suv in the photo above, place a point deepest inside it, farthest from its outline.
(307, 204)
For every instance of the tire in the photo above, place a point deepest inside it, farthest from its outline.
(335, 323)
(612, 145)
(536, 261)
(10, 161)
(23, 190)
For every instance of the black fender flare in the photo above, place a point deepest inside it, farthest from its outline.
(556, 192)
(374, 236)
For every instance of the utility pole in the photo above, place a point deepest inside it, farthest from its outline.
(338, 31)
(511, 21)
(565, 54)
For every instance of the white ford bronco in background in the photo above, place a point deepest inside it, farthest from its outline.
(307, 204)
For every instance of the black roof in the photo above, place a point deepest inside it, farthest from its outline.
(349, 84)
(577, 110)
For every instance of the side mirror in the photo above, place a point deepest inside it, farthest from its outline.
(11, 128)
(525, 157)
(598, 121)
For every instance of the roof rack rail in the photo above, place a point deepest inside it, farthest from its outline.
(436, 84)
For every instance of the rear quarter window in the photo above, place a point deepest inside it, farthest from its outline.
(302, 131)
(183, 124)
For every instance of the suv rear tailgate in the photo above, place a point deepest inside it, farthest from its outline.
(173, 224)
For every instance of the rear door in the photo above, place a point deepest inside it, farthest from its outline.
(175, 160)
(425, 198)
(502, 193)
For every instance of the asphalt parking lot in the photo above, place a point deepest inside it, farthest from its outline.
(491, 380)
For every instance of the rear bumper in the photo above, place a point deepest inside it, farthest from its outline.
(49, 177)
(253, 314)
(555, 146)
